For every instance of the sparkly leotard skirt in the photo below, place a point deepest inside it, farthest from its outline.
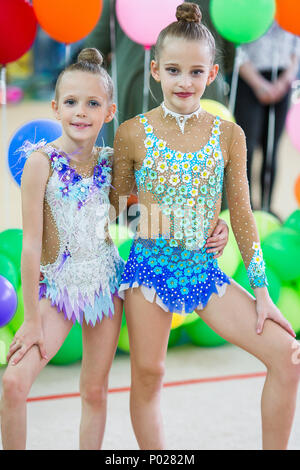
(178, 280)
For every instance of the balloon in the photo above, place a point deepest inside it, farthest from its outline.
(241, 21)
(192, 317)
(217, 109)
(123, 343)
(33, 131)
(274, 282)
(120, 233)
(225, 215)
(266, 223)
(18, 28)
(177, 321)
(292, 124)
(230, 259)
(202, 335)
(174, 337)
(6, 337)
(8, 270)
(8, 301)
(297, 190)
(18, 317)
(68, 21)
(71, 350)
(143, 20)
(289, 305)
(293, 222)
(11, 245)
(281, 251)
(288, 14)
(124, 249)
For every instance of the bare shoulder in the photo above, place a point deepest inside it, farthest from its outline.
(37, 167)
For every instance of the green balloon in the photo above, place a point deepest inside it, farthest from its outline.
(293, 222)
(225, 215)
(123, 343)
(281, 251)
(289, 305)
(202, 335)
(18, 317)
(266, 223)
(120, 233)
(274, 286)
(71, 350)
(11, 245)
(174, 337)
(124, 249)
(191, 318)
(230, 259)
(242, 21)
(9, 271)
(6, 337)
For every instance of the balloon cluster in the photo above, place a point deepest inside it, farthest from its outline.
(292, 127)
(281, 248)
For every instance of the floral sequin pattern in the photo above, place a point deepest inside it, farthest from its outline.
(256, 269)
(186, 186)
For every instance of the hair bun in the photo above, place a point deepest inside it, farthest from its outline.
(91, 55)
(189, 12)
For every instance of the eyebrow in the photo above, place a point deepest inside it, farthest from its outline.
(89, 97)
(192, 66)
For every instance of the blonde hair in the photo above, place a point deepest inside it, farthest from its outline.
(89, 60)
(188, 26)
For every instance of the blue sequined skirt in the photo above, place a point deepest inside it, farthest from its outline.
(179, 280)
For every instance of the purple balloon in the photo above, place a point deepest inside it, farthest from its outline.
(8, 301)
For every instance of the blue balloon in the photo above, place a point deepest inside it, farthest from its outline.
(8, 301)
(34, 131)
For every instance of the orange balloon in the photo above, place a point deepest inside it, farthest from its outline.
(288, 14)
(68, 21)
(297, 189)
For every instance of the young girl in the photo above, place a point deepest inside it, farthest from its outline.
(65, 187)
(179, 155)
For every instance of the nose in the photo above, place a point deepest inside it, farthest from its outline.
(185, 81)
(81, 110)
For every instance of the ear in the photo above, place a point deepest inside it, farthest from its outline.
(111, 112)
(155, 70)
(55, 109)
(212, 74)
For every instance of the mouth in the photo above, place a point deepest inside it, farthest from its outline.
(80, 125)
(184, 95)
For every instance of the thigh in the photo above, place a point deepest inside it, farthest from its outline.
(100, 344)
(148, 328)
(55, 331)
(234, 317)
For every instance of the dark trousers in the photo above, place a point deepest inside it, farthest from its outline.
(253, 117)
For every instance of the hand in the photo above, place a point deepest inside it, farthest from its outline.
(265, 92)
(28, 335)
(281, 88)
(266, 309)
(218, 240)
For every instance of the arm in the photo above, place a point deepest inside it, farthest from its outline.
(262, 88)
(245, 230)
(34, 179)
(123, 180)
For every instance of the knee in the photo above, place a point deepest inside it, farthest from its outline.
(288, 369)
(150, 376)
(14, 389)
(94, 395)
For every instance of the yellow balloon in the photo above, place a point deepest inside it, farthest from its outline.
(217, 109)
(177, 320)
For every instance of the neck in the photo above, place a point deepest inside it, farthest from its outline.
(182, 112)
(81, 150)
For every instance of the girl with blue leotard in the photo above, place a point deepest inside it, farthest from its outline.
(179, 156)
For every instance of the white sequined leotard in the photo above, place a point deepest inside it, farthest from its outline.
(80, 264)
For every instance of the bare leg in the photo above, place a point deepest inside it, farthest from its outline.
(234, 317)
(149, 329)
(99, 347)
(17, 380)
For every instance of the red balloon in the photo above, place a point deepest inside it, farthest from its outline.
(68, 21)
(297, 190)
(288, 14)
(18, 27)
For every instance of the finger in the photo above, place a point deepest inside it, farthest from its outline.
(42, 350)
(216, 247)
(287, 326)
(217, 255)
(260, 325)
(14, 348)
(19, 355)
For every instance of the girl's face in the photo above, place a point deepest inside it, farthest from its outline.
(185, 69)
(82, 105)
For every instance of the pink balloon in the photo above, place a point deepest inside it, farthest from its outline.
(292, 125)
(143, 20)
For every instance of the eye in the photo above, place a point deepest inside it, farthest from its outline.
(197, 72)
(94, 103)
(69, 102)
(172, 70)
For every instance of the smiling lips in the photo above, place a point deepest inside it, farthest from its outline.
(80, 125)
(183, 95)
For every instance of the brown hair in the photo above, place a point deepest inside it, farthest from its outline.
(89, 60)
(188, 26)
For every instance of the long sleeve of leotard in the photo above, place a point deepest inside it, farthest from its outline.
(241, 216)
(123, 171)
